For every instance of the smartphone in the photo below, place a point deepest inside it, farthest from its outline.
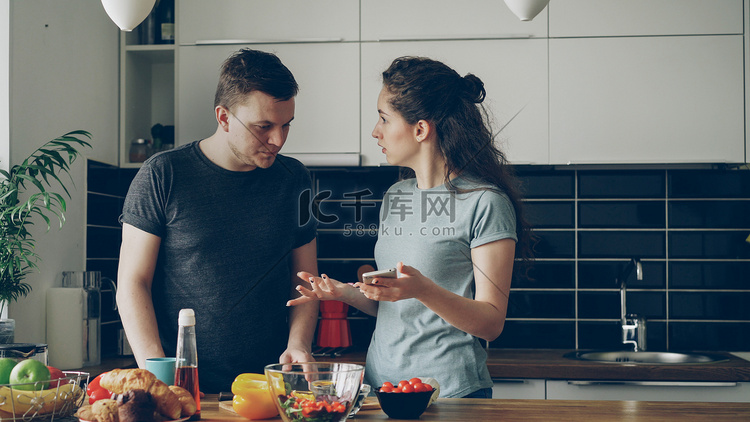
(367, 277)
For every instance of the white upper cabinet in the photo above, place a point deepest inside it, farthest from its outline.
(647, 100)
(384, 20)
(594, 18)
(251, 21)
(326, 117)
(515, 76)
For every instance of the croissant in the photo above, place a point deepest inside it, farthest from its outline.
(105, 410)
(189, 407)
(120, 381)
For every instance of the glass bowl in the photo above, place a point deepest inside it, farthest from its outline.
(314, 391)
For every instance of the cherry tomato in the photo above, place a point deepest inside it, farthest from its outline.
(407, 388)
(396, 390)
(415, 380)
(386, 389)
(387, 384)
(422, 387)
(402, 383)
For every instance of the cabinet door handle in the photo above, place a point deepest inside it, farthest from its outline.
(269, 41)
(455, 37)
(508, 381)
(657, 383)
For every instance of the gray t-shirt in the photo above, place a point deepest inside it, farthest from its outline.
(226, 243)
(434, 232)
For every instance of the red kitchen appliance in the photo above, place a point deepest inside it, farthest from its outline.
(333, 330)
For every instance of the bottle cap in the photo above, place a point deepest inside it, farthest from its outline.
(187, 317)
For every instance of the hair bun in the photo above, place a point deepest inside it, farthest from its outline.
(474, 88)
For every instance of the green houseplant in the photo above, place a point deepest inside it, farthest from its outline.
(19, 209)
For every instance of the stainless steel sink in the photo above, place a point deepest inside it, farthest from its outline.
(653, 358)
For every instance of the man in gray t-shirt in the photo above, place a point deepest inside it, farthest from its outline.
(215, 226)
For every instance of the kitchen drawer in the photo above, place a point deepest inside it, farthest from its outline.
(649, 391)
(532, 389)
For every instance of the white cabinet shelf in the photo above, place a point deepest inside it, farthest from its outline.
(147, 91)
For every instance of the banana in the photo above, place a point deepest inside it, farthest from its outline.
(30, 403)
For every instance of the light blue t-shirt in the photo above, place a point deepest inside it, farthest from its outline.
(434, 231)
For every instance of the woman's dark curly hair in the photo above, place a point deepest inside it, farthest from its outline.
(426, 89)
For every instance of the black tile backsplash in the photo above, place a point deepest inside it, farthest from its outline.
(710, 275)
(621, 184)
(541, 304)
(731, 214)
(602, 275)
(687, 226)
(709, 184)
(621, 244)
(622, 214)
(548, 274)
(709, 244)
(547, 215)
(555, 244)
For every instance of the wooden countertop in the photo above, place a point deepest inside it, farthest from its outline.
(465, 410)
(550, 364)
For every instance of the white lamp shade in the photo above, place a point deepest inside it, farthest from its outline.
(127, 14)
(526, 10)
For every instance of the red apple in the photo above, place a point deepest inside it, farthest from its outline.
(31, 374)
(56, 377)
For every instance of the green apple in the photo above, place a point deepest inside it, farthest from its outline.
(6, 365)
(30, 371)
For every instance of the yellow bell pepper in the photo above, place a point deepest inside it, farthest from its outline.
(253, 398)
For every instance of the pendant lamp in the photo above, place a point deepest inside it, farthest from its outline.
(127, 14)
(526, 10)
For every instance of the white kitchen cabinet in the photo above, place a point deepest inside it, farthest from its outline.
(515, 76)
(526, 389)
(647, 100)
(445, 19)
(327, 106)
(267, 21)
(595, 18)
(649, 391)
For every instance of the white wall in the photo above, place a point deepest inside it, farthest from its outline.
(64, 76)
(4, 84)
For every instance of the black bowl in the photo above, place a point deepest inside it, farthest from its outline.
(404, 405)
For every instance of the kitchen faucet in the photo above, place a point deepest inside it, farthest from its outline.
(633, 326)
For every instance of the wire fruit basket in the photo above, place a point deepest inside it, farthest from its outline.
(21, 405)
